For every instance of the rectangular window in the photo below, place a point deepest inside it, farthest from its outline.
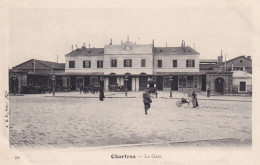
(242, 86)
(195, 82)
(190, 63)
(114, 63)
(99, 64)
(71, 64)
(93, 80)
(166, 82)
(182, 82)
(127, 63)
(159, 63)
(87, 64)
(174, 63)
(142, 62)
(189, 81)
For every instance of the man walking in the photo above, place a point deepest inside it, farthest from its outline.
(101, 94)
(147, 100)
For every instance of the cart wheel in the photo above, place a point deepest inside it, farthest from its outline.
(179, 103)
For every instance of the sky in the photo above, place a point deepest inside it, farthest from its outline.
(47, 33)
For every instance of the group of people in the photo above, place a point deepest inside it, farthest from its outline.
(147, 99)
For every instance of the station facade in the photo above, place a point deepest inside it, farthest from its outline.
(132, 65)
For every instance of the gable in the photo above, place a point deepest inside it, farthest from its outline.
(240, 61)
(30, 65)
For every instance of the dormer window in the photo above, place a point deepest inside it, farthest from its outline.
(174, 50)
(241, 61)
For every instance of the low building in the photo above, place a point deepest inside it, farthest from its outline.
(242, 82)
(34, 73)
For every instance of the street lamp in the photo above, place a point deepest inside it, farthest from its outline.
(171, 85)
(53, 87)
(101, 80)
(126, 79)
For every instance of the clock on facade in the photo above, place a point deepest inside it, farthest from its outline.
(127, 47)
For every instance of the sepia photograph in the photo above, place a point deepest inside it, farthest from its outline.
(127, 81)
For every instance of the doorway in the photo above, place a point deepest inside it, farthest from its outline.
(14, 85)
(174, 83)
(219, 85)
(73, 82)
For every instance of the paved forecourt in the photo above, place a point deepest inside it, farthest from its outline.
(36, 120)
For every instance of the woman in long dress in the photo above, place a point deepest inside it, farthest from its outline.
(194, 99)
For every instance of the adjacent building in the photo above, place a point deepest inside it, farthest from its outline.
(34, 73)
(223, 76)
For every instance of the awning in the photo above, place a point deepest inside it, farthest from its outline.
(180, 73)
(80, 74)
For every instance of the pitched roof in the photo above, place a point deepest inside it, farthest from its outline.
(239, 74)
(53, 65)
(234, 59)
(86, 51)
(175, 50)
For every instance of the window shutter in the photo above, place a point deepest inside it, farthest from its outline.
(193, 63)
(84, 64)
(89, 64)
(124, 63)
(115, 63)
(130, 63)
(98, 64)
(187, 63)
(101, 64)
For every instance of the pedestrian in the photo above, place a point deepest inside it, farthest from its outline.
(194, 99)
(208, 92)
(147, 100)
(101, 94)
(80, 88)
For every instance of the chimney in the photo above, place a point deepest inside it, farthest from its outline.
(71, 47)
(84, 45)
(181, 43)
(88, 45)
(76, 46)
(110, 41)
(121, 41)
(153, 42)
(166, 44)
(220, 58)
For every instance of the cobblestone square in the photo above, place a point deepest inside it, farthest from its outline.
(74, 120)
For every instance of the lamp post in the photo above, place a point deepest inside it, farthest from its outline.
(53, 87)
(126, 79)
(171, 85)
(101, 80)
